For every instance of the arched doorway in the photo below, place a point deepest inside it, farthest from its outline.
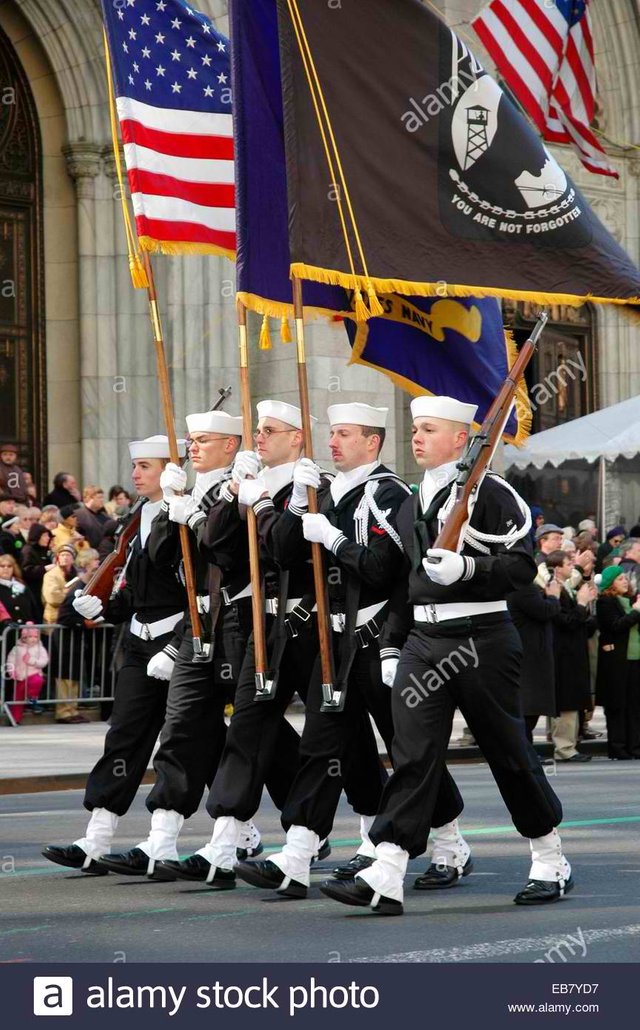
(22, 337)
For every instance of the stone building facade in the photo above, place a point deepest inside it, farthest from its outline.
(77, 366)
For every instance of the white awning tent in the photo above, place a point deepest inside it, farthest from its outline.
(609, 433)
(604, 436)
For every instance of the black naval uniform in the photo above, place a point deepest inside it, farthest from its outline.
(194, 732)
(255, 733)
(471, 663)
(359, 576)
(150, 599)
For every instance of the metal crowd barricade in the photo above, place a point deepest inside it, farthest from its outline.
(77, 655)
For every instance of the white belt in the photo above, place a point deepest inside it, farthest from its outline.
(294, 602)
(338, 622)
(271, 605)
(151, 630)
(236, 597)
(444, 612)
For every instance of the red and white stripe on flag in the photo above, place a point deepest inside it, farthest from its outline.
(181, 174)
(544, 51)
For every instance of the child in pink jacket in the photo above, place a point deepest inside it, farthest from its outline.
(25, 663)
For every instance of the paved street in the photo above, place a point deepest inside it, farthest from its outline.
(47, 912)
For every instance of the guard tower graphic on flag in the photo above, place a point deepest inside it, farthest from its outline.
(477, 141)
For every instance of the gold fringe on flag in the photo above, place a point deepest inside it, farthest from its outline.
(138, 274)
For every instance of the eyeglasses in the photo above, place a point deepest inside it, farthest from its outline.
(268, 431)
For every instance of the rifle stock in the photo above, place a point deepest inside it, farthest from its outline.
(482, 446)
(101, 583)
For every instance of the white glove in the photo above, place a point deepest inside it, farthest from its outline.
(389, 669)
(247, 464)
(173, 481)
(318, 530)
(87, 606)
(160, 666)
(182, 508)
(250, 491)
(305, 474)
(447, 571)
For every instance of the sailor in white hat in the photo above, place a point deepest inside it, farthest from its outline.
(460, 650)
(357, 528)
(193, 734)
(151, 599)
(261, 746)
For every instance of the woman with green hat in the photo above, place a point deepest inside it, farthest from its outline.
(618, 677)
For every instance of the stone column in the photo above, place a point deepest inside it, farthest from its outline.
(83, 164)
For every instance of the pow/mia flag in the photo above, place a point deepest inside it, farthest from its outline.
(446, 188)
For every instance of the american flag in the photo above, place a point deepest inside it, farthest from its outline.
(172, 80)
(544, 51)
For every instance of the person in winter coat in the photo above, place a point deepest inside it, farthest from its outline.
(25, 663)
(533, 609)
(56, 580)
(618, 676)
(573, 624)
(73, 646)
(67, 532)
(37, 560)
(13, 593)
(65, 491)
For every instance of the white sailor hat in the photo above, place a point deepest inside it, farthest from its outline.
(443, 407)
(215, 422)
(284, 412)
(155, 447)
(357, 415)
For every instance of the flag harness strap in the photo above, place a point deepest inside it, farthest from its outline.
(482, 541)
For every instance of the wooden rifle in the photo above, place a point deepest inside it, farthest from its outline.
(482, 446)
(102, 581)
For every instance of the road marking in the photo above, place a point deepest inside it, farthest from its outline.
(494, 949)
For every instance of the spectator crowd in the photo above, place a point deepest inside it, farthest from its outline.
(49, 549)
(579, 621)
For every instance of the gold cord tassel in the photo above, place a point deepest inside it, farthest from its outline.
(264, 343)
(362, 311)
(285, 331)
(375, 306)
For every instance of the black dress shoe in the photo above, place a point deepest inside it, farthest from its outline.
(72, 856)
(266, 874)
(131, 863)
(360, 894)
(541, 892)
(578, 757)
(197, 869)
(242, 854)
(323, 852)
(354, 865)
(620, 756)
(437, 877)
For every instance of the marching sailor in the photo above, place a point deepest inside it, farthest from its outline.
(255, 734)
(357, 528)
(460, 650)
(193, 733)
(152, 600)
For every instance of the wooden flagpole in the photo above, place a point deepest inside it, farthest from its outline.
(167, 410)
(263, 688)
(331, 698)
